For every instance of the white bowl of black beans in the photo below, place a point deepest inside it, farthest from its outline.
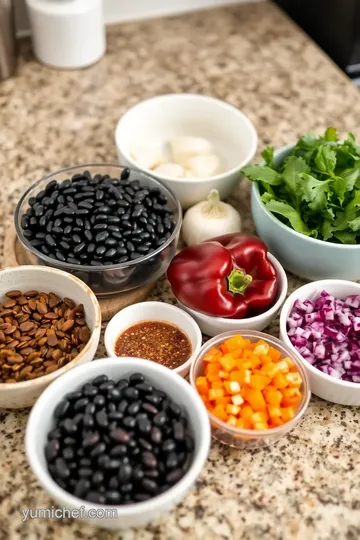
(121, 442)
(114, 228)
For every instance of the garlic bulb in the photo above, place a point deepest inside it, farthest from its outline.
(208, 219)
(182, 148)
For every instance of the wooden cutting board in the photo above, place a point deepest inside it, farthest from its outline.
(16, 255)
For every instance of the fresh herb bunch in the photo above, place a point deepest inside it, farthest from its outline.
(316, 190)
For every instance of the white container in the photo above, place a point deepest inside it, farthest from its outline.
(306, 257)
(154, 311)
(321, 384)
(67, 34)
(212, 326)
(132, 515)
(45, 279)
(158, 119)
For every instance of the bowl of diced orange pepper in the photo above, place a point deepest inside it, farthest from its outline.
(254, 387)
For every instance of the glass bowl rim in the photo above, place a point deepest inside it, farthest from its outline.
(87, 268)
(251, 433)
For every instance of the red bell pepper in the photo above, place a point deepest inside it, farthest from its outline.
(228, 276)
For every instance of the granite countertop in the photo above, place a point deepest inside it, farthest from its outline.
(307, 486)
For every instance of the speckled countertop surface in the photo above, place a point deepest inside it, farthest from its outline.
(306, 487)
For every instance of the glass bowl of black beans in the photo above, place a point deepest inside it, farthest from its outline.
(114, 228)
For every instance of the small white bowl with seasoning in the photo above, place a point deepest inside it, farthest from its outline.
(154, 331)
(190, 143)
(321, 321)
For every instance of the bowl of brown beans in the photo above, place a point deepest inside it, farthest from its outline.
(50, 321)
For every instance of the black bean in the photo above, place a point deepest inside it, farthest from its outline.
(118, 450)
(64, 245)
(129, 422)
(88, 420)
(149, 485)
(156, 435)
(91, 248)
(101, 236)
(111, 242)
(122, 405)
(96, 497)
(62, 468)
(100, 251)
(98, 450)
(52, 449)
(110, 254)
(105, 386)
(120, 435)
(115, 416)
(125, 173)
(99, 401)
(79, 248)
(154, 399)
(144, 426)
(134, 408)
(143, 387)
(91, 440)
(149, 408)
(82, 487)
(169, 445)
(121, 251)
(101, 418)
(73, 260)
(62, 408)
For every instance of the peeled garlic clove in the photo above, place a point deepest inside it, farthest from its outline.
(173, 170)
(148, 157)
(184, 147)
(204, 166)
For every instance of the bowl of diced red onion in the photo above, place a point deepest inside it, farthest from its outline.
(321, 321)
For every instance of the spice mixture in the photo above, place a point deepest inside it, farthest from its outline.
(39, 333)
(155, 340)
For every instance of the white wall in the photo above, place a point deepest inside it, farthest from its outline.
(124, 10)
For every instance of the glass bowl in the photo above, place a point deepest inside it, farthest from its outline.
(109, 279)
(247, 438)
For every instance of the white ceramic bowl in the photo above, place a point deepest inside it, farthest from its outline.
(133, 515)
(322, 385)
(160, 118)
(212, 326)
(45, 279)
(154, 311)
(306, 257)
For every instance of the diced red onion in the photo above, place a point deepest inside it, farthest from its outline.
(326, 332)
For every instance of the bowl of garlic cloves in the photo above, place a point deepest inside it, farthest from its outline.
(190, 143)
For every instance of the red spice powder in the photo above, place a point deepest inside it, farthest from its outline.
(159, 341)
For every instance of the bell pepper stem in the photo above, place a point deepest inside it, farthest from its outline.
(238, 281)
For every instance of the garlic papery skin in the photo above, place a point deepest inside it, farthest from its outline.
(204, 166)
(208, 219)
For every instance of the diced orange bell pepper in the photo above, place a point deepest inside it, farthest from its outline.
(232, 409)
(228, 362)
(246, 412)
(287, 414)
(255, 398)
(294, 379)
(269, 370)
(212, 356)
(217, 384)
(236, 375)
(202, 385)
(259, 381)
(223, 348)
(276, 421)
(260, 426)
(232, 420)
(274, 411)
(280, 381)
(223, 374)
(220, 413)
(260, 417)
(273, 396)
(282, 367)
(291, 397)
(234, 343)
(215, 393)
(261, 347)
(213, 377)
(274, 354)
(223, 401)
(212, 368)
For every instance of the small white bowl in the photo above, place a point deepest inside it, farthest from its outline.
(232, 134)
(322, 385)
(45, 279)
(212, 326)
(133, 515)
(154, 311)
(302, 255)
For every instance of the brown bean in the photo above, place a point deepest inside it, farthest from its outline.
(42, 341)
(10, 329)
(50, 369)
(27, 326)
(24, 338)
(6, 312)
(13, 294)
(2, 336)
(56, 355)
(36, 361)
(41, 307)
(26, 309)
(25, 370)
(37, 317)
(84, 334)
(40, 332)
(6, 352)
(51, 315)
(70, 303)
(54, 300)
(52, 340)
(23, 318)
(10, 381)
(30, 294)
(32, 356)
(27, 350)
(22, 301)
(32, 304)
(15, 359)
(9, 303)
(68, 325)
